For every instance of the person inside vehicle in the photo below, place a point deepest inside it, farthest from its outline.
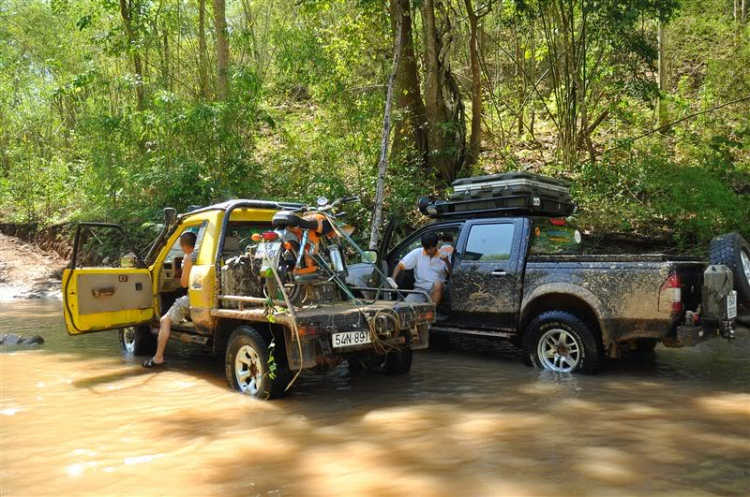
(445, 246)
(431, 269)
(181, 307)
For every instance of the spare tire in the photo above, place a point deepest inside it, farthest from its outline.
(733, 251)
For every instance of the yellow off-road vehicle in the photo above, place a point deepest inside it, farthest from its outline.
(265, 343)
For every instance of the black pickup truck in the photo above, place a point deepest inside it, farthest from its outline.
(525, 279)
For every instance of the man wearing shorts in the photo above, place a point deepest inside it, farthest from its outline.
(181, 307)
(431, 269)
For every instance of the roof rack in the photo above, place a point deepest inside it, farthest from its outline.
(503, 195)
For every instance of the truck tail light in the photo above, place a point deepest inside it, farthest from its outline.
(270, 236)
(256, 237)
(670, 296)
(305, 331)
(558, 222)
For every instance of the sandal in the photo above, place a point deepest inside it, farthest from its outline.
(149, 363)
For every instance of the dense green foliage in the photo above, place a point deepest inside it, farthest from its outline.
(568, 89)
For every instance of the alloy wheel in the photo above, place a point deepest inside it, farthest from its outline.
(128, 340)
(559, 350)
(248, 370)
(745, 264)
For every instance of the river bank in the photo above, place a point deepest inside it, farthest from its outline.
(27, 271)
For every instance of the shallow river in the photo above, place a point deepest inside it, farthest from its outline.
(79, 417)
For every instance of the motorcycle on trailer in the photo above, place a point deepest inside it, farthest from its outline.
(306, 249)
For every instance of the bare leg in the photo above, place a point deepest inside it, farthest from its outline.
(164, 329)
(437, 292)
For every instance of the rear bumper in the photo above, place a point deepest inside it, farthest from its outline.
(675, 332)
(690, 335)
(317, 348)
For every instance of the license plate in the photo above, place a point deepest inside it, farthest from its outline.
(267, 250)
(349, 338)
(732, 305)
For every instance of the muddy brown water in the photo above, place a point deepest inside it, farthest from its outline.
(80, 417)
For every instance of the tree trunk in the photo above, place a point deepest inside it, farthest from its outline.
(532, 76)
(557, 18)
(202, 51)
(222, 50)
(377, 216)
(445, 111)
(520, 73)
(663, 76)
(127, 20)
(165, 61)
(744, 12)
(475, 141)
(410, 127)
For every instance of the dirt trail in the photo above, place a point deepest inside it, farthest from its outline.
(27, 271)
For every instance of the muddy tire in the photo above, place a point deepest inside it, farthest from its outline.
(247, 368)
(733, 251)
(562, 342)
(138, 340)
(397, 362)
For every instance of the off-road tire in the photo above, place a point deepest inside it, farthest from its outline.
(589, 341)
(397, 362)
(728, 250)
(269, 388)
(138, 340)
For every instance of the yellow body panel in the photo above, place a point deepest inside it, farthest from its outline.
(201, 290)
(77, 322)
(201, 287)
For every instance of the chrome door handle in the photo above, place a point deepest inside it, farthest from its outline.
(499, 272)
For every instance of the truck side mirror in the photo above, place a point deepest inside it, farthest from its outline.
(170, 216)
(369, 256)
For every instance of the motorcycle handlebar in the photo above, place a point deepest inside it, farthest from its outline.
(342, 200)
(335, 203)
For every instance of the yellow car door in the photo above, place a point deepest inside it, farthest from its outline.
(104, 297)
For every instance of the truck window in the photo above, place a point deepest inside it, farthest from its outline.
(239, 236)
(446, 237)
(489, 243)
(176, 251)
(554, 237)
(103, 246)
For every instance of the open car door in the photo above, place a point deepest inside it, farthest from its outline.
(106, 286)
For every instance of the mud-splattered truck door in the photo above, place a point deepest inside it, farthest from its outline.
(487, 276)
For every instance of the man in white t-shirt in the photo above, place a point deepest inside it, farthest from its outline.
(431, 269)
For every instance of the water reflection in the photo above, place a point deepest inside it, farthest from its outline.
(79, 417)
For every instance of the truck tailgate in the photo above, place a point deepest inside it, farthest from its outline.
(347, 315)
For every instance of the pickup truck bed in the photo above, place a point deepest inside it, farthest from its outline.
(623, 290)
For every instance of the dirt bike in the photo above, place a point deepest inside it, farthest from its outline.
(306, 249)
